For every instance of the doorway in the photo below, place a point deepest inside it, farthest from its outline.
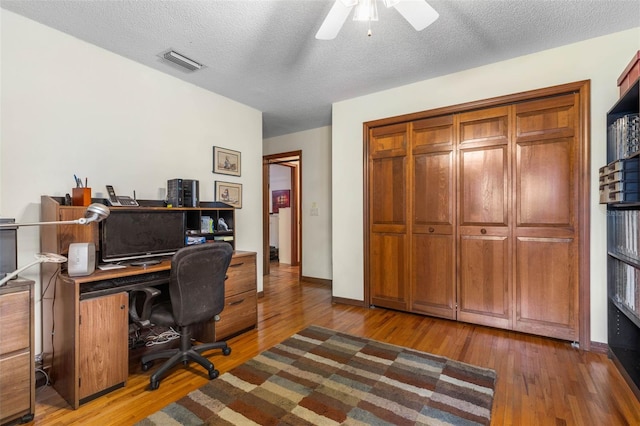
(282, 200)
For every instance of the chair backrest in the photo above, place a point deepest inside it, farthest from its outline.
(196, 285)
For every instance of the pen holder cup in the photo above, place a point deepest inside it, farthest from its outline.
(81, 196)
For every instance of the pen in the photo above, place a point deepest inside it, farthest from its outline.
(78, 181)
(86, 183)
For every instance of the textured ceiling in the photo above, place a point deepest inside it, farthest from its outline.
(263, 53)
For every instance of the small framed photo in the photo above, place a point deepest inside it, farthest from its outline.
(229, 193)
(226, 161)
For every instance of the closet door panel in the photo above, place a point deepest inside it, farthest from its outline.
(484, 127)
(433, 191)
(544, 184)
(389, 271)
(388, 195)
(432, 276)
(388, 263)
(483, 187)
(484, 281)
(546, 287)
(432, 281)
(547, 193)
(484, 250)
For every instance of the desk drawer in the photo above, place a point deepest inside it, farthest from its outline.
(241, 275)
(14, 322)
(240, 312)
(15, 385)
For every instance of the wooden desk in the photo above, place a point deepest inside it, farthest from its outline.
(17, 367)
(91, 318)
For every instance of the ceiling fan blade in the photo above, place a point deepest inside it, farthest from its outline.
(417, 12)
(334, 21)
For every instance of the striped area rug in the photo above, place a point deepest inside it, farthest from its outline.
(324, 377)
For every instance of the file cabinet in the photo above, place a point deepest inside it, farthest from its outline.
(17, 366)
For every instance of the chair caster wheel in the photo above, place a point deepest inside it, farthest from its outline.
(146, 365)
(226, 351)
(27, 418)
(213, 374)
(154, 385)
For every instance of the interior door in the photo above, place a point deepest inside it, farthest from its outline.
(484, 282)
(546, 188)
(388, 206)
(433, 217)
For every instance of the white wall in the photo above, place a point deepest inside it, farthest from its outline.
(316, 166)
(69, 107)
(600, 60)
(284, 235)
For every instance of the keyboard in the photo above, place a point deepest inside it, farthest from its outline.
(125, 283)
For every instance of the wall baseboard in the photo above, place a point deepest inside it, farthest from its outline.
(345, 301)
(599, 347)
(313, 280)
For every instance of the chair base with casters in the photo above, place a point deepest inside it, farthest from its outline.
(185, 353)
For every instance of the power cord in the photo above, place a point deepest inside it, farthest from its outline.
(44, 373)
(162, 338)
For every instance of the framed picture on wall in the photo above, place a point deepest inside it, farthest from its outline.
(229, 193)
(280, 199)
(226, 161)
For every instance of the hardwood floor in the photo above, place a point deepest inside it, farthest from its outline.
(540, 381)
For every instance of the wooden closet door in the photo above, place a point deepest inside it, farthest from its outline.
(388, 208)
(484, 282)
(432, 231)
(546, 188)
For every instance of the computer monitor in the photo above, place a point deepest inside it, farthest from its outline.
(130, 234)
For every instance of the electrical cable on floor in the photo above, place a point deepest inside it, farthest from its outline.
(162, 338)
(46, 376)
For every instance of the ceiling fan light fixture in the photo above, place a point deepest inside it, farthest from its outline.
(182, 60)
(366, 10)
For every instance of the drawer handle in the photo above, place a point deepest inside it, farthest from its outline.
(236, 302)
(431, 229)
(483, 231)
(236, 265)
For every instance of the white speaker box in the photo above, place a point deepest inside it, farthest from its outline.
(81, 259)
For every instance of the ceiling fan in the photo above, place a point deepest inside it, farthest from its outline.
(418, 12)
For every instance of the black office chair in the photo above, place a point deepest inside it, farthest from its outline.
(196, 290)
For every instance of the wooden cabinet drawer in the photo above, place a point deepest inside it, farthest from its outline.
(15, 384)
(241, 275)
(14, 322)
(240, 312)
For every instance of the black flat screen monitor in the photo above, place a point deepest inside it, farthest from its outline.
(130, 234)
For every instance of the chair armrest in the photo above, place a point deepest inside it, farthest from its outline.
(149, 294)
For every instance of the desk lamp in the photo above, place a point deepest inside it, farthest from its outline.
(96, 212)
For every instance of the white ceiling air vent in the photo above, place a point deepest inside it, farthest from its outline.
(182, 60)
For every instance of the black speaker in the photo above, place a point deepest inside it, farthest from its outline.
(183, 192)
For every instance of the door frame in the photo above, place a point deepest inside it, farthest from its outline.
(296, 203)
